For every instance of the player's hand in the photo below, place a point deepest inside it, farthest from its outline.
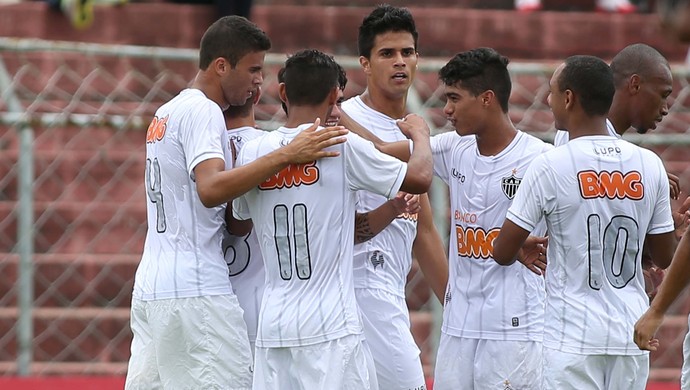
(653, 276)
(413, 126)
(674, 185)
(533, 254)
(645, 329)
(681, 218)
(406, 203)
(309, 144)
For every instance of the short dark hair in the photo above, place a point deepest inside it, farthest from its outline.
(342, 81)
(591, 81)
(637, 58)
(309, 76)
(479, 70)
(231, 37)
(383, 19)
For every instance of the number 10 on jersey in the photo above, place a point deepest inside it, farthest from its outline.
(613, 252)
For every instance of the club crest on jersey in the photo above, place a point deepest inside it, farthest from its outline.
(294, 175)
(510, 184)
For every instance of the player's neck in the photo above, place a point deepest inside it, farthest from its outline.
(210, 88)
(393, 107)
(495, 137)
(619, 118)
(587, 126)
(300, 115)
(236, 123)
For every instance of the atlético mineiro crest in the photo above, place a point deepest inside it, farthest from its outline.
(510, 184)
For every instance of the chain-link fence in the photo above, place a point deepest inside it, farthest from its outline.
(72, 210)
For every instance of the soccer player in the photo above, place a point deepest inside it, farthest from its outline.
(187, 325)
(388, 55)
(493, 316)
(601, 197)
(310, 333)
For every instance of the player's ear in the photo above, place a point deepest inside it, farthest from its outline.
(365, 64)
(634, 84)
(220, 65)
(569, 99)
(281, 93)
(487, 97)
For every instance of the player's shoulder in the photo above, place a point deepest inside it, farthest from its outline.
(535, 142)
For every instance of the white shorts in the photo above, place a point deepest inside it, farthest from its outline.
(344, 363)
(386, 323)
(464, 363)
(189, 343)
(564, 371)
(685, 373)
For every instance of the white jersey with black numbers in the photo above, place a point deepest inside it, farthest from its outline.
(182, 254)
(600, 197)
(304, 218)
(485, 300)
(562, 136)
(384, 261)
(243, 254)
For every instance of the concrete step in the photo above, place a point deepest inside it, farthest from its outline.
(72, 280)
(80, 227)
(70, 335)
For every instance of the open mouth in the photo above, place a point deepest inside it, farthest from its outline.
(332, 121)
(399, 76)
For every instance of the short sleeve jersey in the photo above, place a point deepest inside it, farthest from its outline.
(304, 219)
(600, 197)
(384, 261)
(243, 254)
(563, 136)
(182, 253)
(485, 300)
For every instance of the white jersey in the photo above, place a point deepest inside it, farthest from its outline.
(384, 261)
(182, 253)
(485, 300)
(243, 254)
(562, 136)
(600, 197)
(304, 217)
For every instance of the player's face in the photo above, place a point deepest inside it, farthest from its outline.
(462, 109)
(650, 104)
(334, 111)
(556, 100)
(240, 82)
(392, 64)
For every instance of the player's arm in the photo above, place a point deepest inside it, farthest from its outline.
(369, 224)
(237, 227)
(398, 149)
(660, 248)
(216, 186)
(676, 279)
(429, 251)
(508, 243)
(420, 166)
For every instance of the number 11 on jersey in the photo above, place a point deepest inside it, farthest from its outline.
(300, 241)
